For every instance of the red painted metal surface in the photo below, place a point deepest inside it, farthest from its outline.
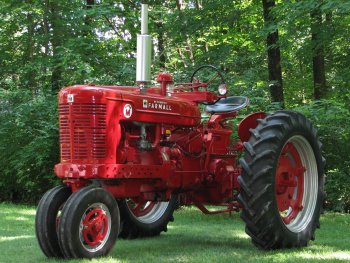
(140, 208)
(289, 183)
(231, 207)
(164, 79)
(94, 227)
(249, 122)
(149, 145)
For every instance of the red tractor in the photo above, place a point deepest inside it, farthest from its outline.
(131, 154)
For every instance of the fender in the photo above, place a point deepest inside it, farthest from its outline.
(249, 122)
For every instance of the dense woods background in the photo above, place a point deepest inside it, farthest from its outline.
(291, 54)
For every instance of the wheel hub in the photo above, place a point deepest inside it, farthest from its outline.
(289, 183)
(95, 227)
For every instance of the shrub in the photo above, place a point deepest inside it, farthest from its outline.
(332, 119)
(28, 145)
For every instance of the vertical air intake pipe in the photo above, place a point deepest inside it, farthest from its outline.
(144, 46)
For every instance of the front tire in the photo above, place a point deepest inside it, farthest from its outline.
(282, 182)
(89, 223)
(47, 218)
(145, 219)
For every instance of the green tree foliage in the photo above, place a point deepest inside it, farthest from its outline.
(45, 45)
(28, 144)
(332, 119)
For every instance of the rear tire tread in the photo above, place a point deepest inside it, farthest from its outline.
(257, 196)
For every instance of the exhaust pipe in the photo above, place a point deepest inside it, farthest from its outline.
(144, 49)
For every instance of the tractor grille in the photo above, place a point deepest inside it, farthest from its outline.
(82, 131)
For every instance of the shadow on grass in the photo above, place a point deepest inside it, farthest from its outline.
(177, 247)
(193, 237)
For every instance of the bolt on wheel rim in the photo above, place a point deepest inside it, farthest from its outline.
(147, 211)
(95, 227)
(296, 184)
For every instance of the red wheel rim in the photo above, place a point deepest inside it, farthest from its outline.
(95, 227)
(146, 212)
(289, 183)
(141, 208)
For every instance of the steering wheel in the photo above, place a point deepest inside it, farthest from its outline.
(211, 77)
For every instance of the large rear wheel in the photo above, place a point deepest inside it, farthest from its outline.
(282, 182)
(147, 218)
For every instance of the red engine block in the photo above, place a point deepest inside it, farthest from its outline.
(146, 145)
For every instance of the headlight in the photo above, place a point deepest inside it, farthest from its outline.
(222, 89)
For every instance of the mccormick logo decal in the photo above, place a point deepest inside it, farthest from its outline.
(127, 111)
(156, 105)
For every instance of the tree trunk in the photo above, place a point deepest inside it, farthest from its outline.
(182, 56)
(274, 55)
(318, 62)
(88, 18)
(179, 4)
(46, 26)
(56, 41)
(28, 55)
(88, 33)
(198, 4)
(161, 48)
(190, 49)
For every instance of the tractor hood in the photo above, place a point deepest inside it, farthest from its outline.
(128, 103)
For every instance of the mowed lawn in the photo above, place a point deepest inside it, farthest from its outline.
(192, 237)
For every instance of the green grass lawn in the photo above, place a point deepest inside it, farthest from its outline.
(192, 237)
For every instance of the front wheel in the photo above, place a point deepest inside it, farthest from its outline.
(282, 182)
(47, 217)
(89, 223)
(146, 218)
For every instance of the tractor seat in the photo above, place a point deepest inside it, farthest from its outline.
(233, 103)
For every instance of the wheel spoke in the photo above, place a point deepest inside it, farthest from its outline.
(204, 72)
(289, 183)
(213, 78)
(141, 208)
(137, 209)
